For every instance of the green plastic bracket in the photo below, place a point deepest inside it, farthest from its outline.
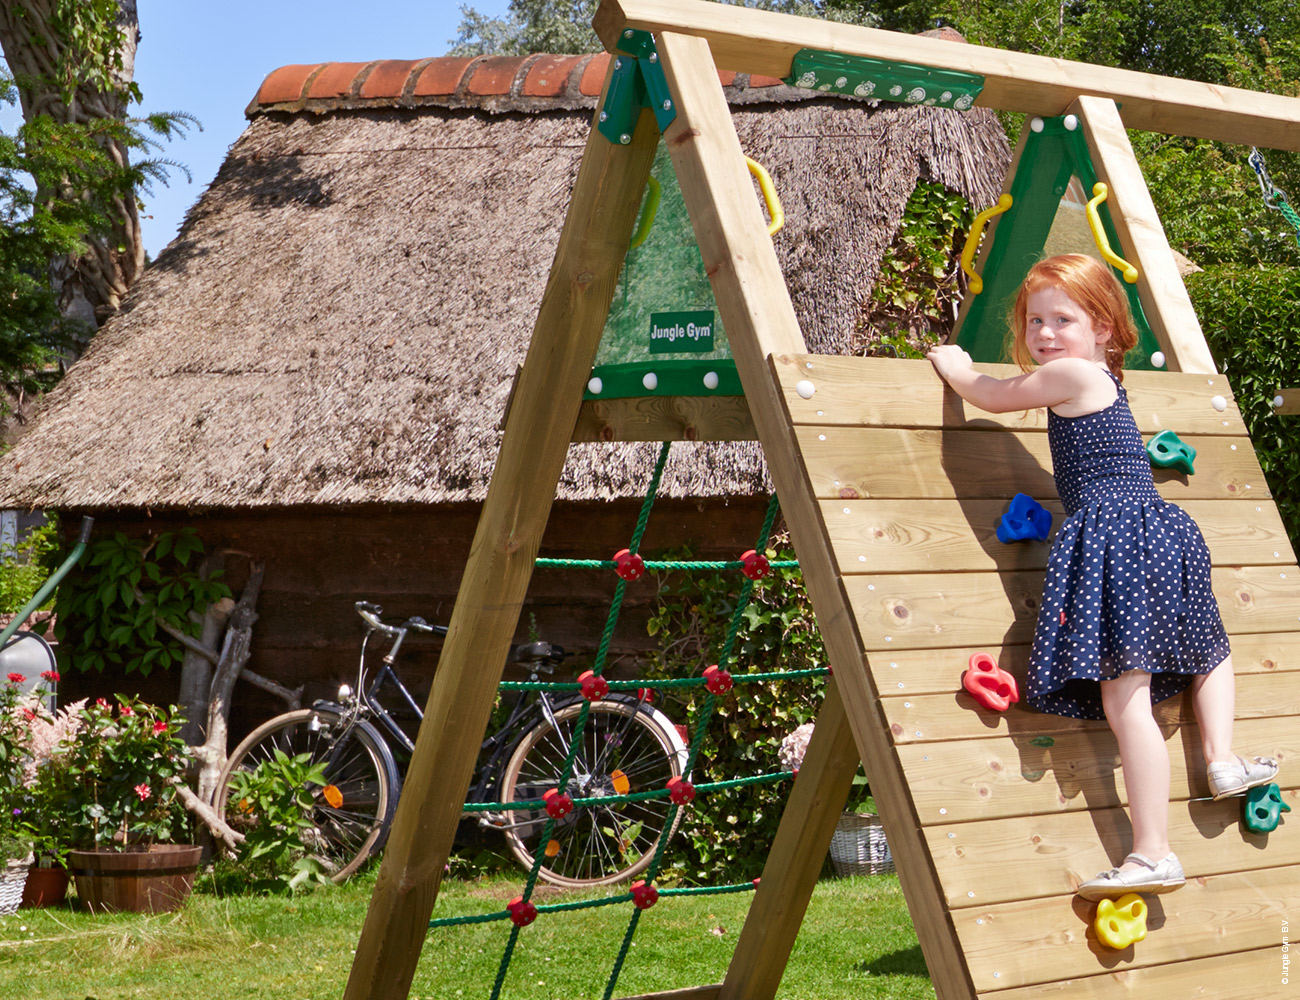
(1169, 451)
(1053, 153)
(638, 82)
(675, 377)
(883, 79)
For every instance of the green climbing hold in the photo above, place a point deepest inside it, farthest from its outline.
(1169, 451)
(1263, 808)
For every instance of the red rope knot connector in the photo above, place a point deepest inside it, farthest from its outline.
(644, 895)
(558, 803)
(755, 565)
(522, 912)
(645, 694)
(717, 680)
(594, 687)
(680, 791)
(629, 565)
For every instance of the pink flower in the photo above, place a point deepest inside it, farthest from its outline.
(160, 727)
(51, 675)
(144, 791)
(101, 702)
(126, 710)
(28, 714)
(17, 678)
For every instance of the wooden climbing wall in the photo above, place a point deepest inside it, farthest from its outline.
(1006, 813)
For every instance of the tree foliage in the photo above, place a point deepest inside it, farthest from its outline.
(69, 227)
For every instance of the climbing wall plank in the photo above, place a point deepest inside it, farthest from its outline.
(1016, 808)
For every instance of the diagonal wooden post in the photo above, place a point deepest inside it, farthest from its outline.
(547, 398)
(759, 317)
(1142, 237)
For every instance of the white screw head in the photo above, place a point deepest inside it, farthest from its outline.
(1070, 123)
(595, 386)
(1036, 124)
(710, 380)
(624, 138)
(805, 388)
(1219, 403)
(1158, 359)
(1277, 402)
(650, 380)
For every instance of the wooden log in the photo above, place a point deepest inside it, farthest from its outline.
(1025, 857)
(1011, 775)
(903, 536)
(1142, 238)
(665, 418)
(904, 673)
(971, 609)
(894, 392)
(856, 462)
(759, 318)
(755, 41)
(1010, 945)
(607, 195)
(796, 858)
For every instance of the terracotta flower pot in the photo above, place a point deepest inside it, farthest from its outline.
(153, 879)
(45, 887)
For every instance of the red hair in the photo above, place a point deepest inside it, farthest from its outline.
(1094, 288)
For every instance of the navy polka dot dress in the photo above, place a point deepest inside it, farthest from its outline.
(1128, 578)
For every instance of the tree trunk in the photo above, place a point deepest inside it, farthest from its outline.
(92, 285)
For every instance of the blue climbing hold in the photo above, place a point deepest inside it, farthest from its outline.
(1026, 520)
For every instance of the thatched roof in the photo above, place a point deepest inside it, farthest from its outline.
(341, 316)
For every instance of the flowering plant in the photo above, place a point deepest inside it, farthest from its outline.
(21, 752)
(114, 776)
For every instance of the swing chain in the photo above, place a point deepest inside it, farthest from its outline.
(1274, 197)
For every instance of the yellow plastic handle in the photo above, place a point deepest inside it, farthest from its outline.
(973, 241)
(647, 213)
(1099, 193)
(774, 210)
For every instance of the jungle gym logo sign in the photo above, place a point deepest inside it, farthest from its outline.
(689, 332)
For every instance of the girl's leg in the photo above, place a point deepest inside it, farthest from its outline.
(1213, 698)
(1144, 757)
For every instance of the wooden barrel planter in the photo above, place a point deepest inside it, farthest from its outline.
(153, 879)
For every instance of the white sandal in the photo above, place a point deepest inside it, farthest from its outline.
(1164, 875)
(1236, 778)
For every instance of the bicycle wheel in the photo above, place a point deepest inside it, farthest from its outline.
(624, 748)
(352, 811)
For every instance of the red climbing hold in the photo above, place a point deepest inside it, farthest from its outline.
(989, 684)
(593, 685)
(643, 895)
(628, 564)
(558, 803)
(717, 680)
(755, 565)
(680, 790)
(522, 912)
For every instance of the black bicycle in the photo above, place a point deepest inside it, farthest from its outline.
(627, 745)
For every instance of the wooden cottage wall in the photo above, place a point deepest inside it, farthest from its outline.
(318, 562)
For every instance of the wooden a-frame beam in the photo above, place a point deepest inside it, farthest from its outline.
(755, 308)
(754, 41)
(606, 197)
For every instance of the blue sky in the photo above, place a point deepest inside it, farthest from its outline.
(209, 59)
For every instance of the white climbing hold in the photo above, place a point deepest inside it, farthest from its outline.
(710, 380)
(805, 388)
(595, 386)
(1158, 359)
(1219, 403)
(650, 380)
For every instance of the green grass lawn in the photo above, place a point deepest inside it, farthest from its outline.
(857, 941)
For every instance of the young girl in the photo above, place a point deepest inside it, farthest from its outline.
(1127, 617)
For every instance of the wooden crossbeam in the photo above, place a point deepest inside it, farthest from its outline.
(763, 42)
